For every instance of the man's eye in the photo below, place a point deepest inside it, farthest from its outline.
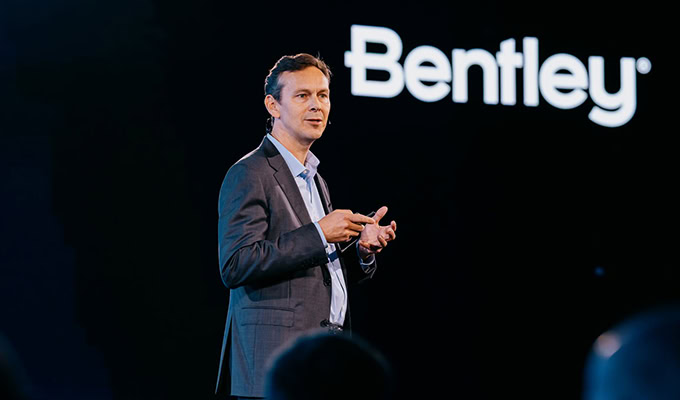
(302, 95)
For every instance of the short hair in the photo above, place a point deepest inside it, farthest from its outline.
(301, 371)
(637, 359)
(298, 62)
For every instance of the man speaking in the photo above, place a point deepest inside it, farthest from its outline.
(284, 253)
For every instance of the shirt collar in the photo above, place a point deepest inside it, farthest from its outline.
(296, 168)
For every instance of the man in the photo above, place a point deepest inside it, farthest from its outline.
(283, 249)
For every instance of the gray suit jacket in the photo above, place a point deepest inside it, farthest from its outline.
(274, 263)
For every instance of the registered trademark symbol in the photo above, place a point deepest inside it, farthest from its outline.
(643, 65)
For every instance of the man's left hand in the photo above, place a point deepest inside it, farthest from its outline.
(374, 238)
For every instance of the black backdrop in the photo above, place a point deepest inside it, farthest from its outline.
(524, 232)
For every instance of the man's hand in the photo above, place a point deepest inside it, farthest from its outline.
(374, 237)
(342, 225)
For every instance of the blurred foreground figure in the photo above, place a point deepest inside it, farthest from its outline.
(329, 367)
(638, 359)
(12, 379)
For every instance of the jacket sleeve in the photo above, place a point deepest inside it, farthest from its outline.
(246, 257)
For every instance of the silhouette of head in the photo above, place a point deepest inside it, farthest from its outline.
(325, 366)
(12, 380)
(638, 359)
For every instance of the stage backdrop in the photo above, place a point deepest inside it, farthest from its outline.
(527, 152)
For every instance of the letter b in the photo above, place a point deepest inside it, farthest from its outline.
(359, 61)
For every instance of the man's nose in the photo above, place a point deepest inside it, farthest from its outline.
(314, 103)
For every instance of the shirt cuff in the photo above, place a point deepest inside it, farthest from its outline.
(367, 266)
(323, 237)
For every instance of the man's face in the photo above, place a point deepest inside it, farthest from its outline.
(304, 104)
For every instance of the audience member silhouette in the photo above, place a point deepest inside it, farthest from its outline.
(638, 359)
(12, 379)
(327, 366)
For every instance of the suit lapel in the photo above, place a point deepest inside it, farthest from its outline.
(285, 179)
(323, 193)
(328, 207)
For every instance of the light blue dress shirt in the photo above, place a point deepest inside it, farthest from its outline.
(304, 178)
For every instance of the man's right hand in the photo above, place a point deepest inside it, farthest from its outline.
(342, 225)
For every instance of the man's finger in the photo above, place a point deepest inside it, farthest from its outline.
(348, 235)
(372, 248)
(380, 213)
(382, 241)
(355, 227)
(394, 225)
(390, 233)
(360, 218)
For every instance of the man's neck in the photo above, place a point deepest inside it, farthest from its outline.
(299, 150)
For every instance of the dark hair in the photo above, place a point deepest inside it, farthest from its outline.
(300, 371)
(638, 358)
(297, 62)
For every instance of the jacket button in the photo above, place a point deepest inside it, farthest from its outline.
(326, 282)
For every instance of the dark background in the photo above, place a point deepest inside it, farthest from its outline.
(523, 233)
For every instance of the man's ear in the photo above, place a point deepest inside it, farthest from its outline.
(272, 106)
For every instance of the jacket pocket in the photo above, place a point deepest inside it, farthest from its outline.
(267, 316)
